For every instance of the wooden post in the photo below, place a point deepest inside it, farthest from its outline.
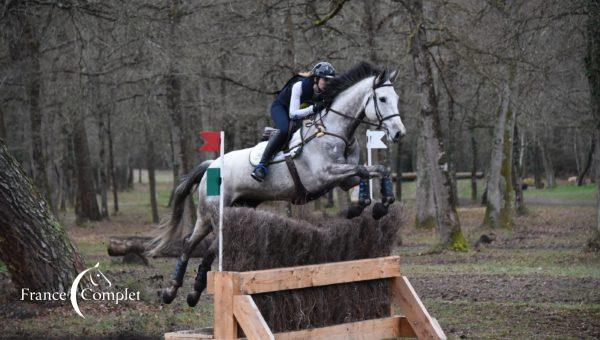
(407, 299)
(250, 319)
(226, 286)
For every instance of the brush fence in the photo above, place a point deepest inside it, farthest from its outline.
(233, 303)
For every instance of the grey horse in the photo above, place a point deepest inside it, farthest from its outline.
(329, 158)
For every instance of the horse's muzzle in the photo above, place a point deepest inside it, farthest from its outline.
(398, 136)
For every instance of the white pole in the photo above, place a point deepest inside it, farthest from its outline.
(221, 200)
(369, 164)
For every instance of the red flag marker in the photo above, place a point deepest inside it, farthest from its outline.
(212, 141)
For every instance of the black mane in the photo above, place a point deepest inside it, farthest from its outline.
(342, 82)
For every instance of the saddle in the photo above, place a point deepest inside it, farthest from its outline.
(292, 147)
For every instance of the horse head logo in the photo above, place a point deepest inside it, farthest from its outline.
(94, 283)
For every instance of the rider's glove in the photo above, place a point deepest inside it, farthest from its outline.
(318, 106)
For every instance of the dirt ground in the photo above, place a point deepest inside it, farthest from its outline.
(533, 281)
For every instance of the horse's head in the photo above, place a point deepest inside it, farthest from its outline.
(381, 105)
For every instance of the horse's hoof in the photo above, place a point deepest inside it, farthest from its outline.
(379, 210)
(192, 298)
(388, 200)
(168, 295)
(354, 211)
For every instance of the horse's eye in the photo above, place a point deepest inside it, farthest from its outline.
(382, 99)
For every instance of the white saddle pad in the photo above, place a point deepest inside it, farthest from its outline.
(257, 152)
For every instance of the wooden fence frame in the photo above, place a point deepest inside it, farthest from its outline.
(233, 303)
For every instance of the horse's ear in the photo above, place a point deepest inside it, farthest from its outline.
(393, 75)
(381, 78)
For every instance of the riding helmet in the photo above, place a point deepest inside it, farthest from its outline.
(323, 70)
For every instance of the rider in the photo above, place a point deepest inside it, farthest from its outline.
(287, 106)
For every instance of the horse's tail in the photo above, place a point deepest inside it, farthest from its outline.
(167, 230)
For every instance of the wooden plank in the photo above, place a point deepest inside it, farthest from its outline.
(248, 316)
(270, 280)
(409, 302)
(390, 327)
(195, 334)
(227, 285)
(210, 283)
(406, 329)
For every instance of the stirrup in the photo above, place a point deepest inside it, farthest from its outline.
(260, 172)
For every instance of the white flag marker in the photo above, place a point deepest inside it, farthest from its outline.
(373, 142)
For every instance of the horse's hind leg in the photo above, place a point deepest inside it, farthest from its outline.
(202, 276)
(189, 244)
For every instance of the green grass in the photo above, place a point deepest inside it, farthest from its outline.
(511, 320)
(560, 263)
(565, 192)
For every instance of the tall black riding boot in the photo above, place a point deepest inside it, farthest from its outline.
(275, 143)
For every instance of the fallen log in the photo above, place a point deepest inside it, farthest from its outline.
(412, 176)
(124, 245)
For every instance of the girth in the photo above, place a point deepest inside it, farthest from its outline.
(302, 195)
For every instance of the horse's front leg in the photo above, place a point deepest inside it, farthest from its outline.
(380, 209)
(342, 172)
(350, 175)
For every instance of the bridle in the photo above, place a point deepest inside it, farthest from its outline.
(321, 129)
(361, 120)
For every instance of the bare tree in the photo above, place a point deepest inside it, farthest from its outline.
(34, 246)
(448, 223)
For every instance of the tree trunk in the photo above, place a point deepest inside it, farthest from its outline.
(86, 206)
(2, 125)
(33, 84)
(473, 165)
(537, 167)
(588, 160)
(448, 224)
(290, 50)
(576, 152)
(548, 165)
(173, 97)
(517, 172)
(34, 246)
(67, 169)
(452, 145)
(103, 179)
(499, 211)
(175, 164)
(425, 207)
(370, 8)
(129, 175)
(151, 173)
(399, 171)
(592, 64)
(111, 163)
(330, 201)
